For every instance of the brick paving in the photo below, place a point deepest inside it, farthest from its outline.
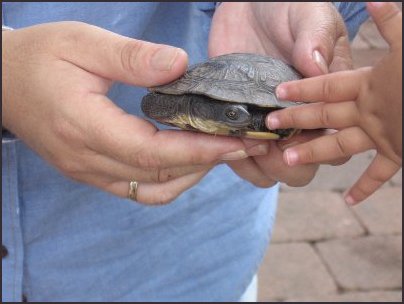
(323, 250)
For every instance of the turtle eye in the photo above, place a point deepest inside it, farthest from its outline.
(237, 115)
(232, 114)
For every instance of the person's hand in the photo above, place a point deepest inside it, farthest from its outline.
(266, 170)
(365, 105)
(55, 80)
(310, 36)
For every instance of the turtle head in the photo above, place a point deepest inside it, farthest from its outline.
(215, 116)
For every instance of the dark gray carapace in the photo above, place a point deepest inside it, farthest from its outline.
(226, 95)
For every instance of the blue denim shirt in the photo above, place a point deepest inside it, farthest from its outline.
(68, 241)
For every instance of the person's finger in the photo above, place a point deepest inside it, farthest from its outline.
(273, 166)
(119, 58)
(341, 144)
(388, 19)
(248, 170)
(334, 87)
(105, 166)
(314, 116)
(379, 171)
(315, 37)
(138, 143)
(308, 135)
(156, 193)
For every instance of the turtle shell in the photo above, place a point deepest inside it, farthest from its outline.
(239, 78)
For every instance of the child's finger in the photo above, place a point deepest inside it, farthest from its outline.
(315, 116)
(388, 19)
(379, 171)
(339, 86)
(326, 149)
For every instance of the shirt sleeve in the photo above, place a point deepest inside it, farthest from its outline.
(354, 14)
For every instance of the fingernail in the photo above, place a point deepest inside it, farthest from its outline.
(164, 58)
(273, 122)
(320, 61)
(258, 150)
(291, 157)
(240, 154)
(349, 200)
(281, 92)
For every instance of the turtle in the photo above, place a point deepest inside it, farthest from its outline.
(227, 95)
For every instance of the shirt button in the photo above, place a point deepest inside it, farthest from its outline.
(4, 251)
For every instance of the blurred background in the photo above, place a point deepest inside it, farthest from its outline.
(322, 250)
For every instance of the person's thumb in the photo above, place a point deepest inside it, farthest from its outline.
(119, 58)
(319, 39)
(388, 19)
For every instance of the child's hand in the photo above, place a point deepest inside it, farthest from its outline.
(364, 105)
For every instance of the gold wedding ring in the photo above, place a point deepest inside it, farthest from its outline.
(133, 186)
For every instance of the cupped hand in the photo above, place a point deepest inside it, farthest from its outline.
(310, 36)
(266, 170)
(55, 80)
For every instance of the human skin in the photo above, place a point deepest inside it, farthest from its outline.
(364, 105)
(310, 36)
(55, 78)
(74, 126)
